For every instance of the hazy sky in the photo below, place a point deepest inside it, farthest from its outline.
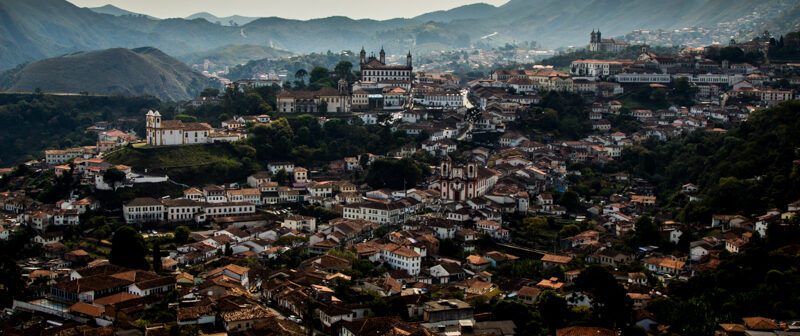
(295, 9)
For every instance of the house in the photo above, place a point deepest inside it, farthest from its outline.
(258, 178)
(477, 263)
(448, 312)
(446, 272)
(330, 314)
(275, 167)
(300, 223)
(611, 257)
(243, 319)
(399, 257)
(699, 249)
(236, 272)
(300, 175)
(760, 324)
(664, 265)
(381, 326)
(551, 260)
(734, 245)
(528, 295)
(639, 300)
(585, 331)
(196, 315)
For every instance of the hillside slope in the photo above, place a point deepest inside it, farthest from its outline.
(234, 55)
(143, 71)
(116, 11)
(236, 19)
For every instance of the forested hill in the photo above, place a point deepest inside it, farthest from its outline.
(564, 60)
(747, 170)
(31, 123)
(143, 71)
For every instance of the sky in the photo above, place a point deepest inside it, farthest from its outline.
(293, 9)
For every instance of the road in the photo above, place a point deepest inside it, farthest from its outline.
(465, 95)
(524, 249)
(462, 136)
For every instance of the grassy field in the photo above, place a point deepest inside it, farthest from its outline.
(193, 164)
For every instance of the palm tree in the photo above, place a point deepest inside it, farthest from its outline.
(301, 74)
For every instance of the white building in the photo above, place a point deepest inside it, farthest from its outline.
(248, 195)
(300, 223)
(228, 209)
(381, 213)
(175, 132)
(143, 210)
(399, 257)
(183, 210)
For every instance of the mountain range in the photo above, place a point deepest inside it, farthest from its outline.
(234, 20)
(36, 29)
(137, 72)
(116, 11)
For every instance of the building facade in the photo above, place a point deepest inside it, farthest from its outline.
(376, 70)
(175, 132)
(461, 182)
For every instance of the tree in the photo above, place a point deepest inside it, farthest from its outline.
(569, 230)
(253, 103)
(647, 233)
(11, 283)
(128, 249)
(157, 267)
(319, 73)
(113, 176)
(301, 74)
(395, 174)
(553, 309)
(209, 92)
(281, 177)
(569, 199)
(611, 305)
(549, 119)
(526, 321)
(344, 69)
(181, 235)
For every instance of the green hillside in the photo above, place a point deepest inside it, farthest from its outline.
(31, 123)
(143, 71)
(193, 165)
(788, 21)
(233, 55)
(745, 171)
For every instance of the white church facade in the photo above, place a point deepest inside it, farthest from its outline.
(175, 132)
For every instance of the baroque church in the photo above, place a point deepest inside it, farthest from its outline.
(597, 43)
(465, 181)
(376, 70)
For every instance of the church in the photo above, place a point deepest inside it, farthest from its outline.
(376, 70)
(175, 132)
(597, 43)
(461, 182)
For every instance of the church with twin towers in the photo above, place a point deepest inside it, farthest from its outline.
(376, 70)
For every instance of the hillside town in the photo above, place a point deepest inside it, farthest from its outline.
(521, 207)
